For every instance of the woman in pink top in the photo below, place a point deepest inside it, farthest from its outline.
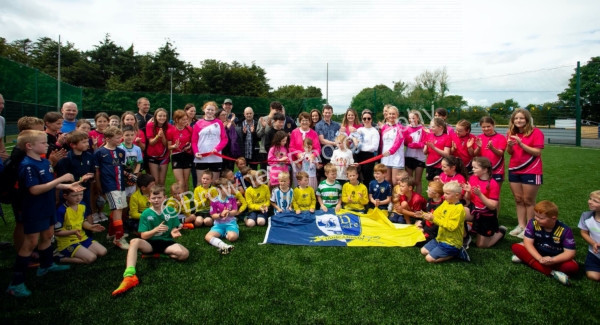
(524, 144)
(349, 122)
(296, 146)
(208, 136)
(157, 151)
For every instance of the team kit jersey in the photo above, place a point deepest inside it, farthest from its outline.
(203, 196)
(150, 219)
(415, 142)
(158, 149)
(450, 219)
(329, 193)
(416, 202)
(219, 205)
(550, 243)
(69, 219)
(380, 191)
(208, 136)
(138, 203)
(304, 199)
(257, 197)
(499, 142)
(184, 136)
(589, 223)
(358, 194)
(37, 208)
(282, 199)
(111, 165)
(462, 150)
(444, 178)
(489, 188)
(441, 142)
(392, 140)
(133, 156)
(523, 163)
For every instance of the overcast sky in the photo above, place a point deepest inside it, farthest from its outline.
(492, 50)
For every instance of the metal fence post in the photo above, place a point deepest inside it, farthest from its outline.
(578, 110)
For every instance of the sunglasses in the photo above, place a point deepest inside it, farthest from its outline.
(366, 118)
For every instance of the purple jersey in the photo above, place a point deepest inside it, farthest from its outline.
(550, 243)
(218, 205)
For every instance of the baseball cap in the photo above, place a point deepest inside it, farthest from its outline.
(227, 101)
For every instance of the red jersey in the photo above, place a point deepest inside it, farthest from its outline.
(442, 141)
(184, 136)
(416, 202)
(157, 150)
(499, 142)
(489, 188)
(523, 163)
(462, 151)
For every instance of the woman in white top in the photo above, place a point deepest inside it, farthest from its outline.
(369, 146)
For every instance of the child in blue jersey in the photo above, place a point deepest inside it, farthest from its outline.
(380, 190)
(157, 230)
(223, 210)
(282, 196)
(589, 223)
(38, 208)
(110, 175)
(79, 162)
(72, 243)
(133, 159)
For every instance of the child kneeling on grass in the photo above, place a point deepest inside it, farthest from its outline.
(548, 245)
(72, 243)
(157, 231)
(223, 210)
(450, 217)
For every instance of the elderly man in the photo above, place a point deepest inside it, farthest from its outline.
(250, 140)
(143, 116)
(69, 112)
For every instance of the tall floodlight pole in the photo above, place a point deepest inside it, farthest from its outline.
(578, 109)
(58, 89)
(171, 105)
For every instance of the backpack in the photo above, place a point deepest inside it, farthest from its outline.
(10, 176)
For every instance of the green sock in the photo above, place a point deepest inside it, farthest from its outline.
(129, 271)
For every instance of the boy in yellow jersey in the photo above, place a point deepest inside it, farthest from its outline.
(354, 194)
(203, 194)
(72, 243)
(138, 201)
(450, 217)
(304, 195)
(258, 199)
(157, 230)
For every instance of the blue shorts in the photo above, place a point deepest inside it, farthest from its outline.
(498, 177)
(530, 179)
(396, 218)
(37, 224)
(72, 249)
(440, 250)
(592, 262)
(224, 228)
(255, 215)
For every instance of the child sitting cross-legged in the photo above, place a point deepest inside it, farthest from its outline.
(354, 194)
(258, 200)
(408, 201)
(548, 246)
(450, 217)
(223, 210)
(281, 197)
(304, 195)
(72, 243)
(203, 194)
(157, 230)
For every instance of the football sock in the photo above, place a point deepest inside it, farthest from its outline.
(218, 243)
(129, 271)
(20, 268)
(46, 257)
(118, 227)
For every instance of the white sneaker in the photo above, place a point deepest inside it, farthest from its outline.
(97, 218)
(561, 277)
(103, 217)
(515, 259)
(226, 250)
(521, 234)
(515, 232)
(112, 237)
(121, 243)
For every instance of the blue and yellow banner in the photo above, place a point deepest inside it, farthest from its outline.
(345, 228)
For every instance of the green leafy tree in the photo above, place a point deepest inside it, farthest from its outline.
(374, 99)
(589, 90)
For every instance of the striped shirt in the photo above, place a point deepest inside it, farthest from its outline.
(329, 193)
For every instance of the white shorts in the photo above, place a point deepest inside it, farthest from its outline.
(116, 200)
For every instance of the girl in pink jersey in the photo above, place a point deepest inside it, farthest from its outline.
(463, 143)
(179, 139)
(437, 147)
(208, 137)
(278, 157)
(453, 170)
(392, 145)
(491, 145)
(524, 144)
(483, 192)
(415, 136)
(157, 150)
(443, 114)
